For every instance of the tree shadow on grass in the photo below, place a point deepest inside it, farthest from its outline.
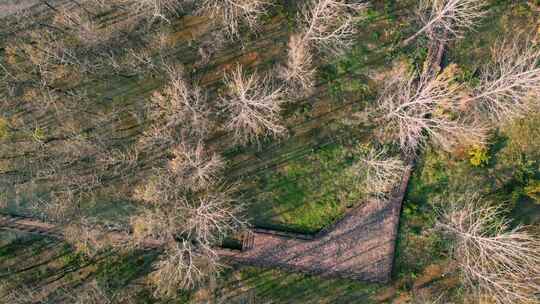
(257, 285)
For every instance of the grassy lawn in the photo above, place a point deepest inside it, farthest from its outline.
(255, 285)
(55, 269)
(307, 193)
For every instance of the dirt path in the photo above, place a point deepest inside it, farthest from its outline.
(361, 246)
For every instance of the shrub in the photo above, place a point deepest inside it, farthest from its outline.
(533, 190)
(479, 156)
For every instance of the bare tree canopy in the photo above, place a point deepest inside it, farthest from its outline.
(418, 109)
(183, 266)
(196, 167)
(88, 236)
(9, 7)
(88, 32)
(446, 19)
(233, 13)
(189, 210)
(379, 173)
(498, 263)
(87, 293)
(158, 8)
(171, 211)
(327, 26)
(253, 106)
(92, 293)
(330, 24)
(180, 110)
(510, 85)
(298, 72)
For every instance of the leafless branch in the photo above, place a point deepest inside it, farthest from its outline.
(177, 110)
(84, 28)
(161, 9)
(327, 25)
(89, 293)
(423, 108)
(195, 166)
(87, 237)
(206, 216)
(189, 210)
(511, 84)
(298, 72)
(380, 173)
(191, 227)
(330, 24)
(20, 294)
(444, 19)
(233, 13)
(184, 267)
(60, 207)
(252, 105)
(498, 263)
(377, 172)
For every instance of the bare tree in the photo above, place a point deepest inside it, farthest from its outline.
(174, 212)
(253, 106)
(212, 216)
(153, 223)
(184, 267)
(117, 162)
(11, 7)
(44, 58)
(204, 219)
(161, 9)
(233, 13)
(509, 85)
(418, 109)
(88, 32)
(195, 166)
(498, 263)
(190, 221)
(20, 294)
(298, 72)
(67, 169)
(89, 293)
(379, 172)
(327, 25)
(59, 207)
(210, 45)
(179, 109)
(330, 24)
(444, 19)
